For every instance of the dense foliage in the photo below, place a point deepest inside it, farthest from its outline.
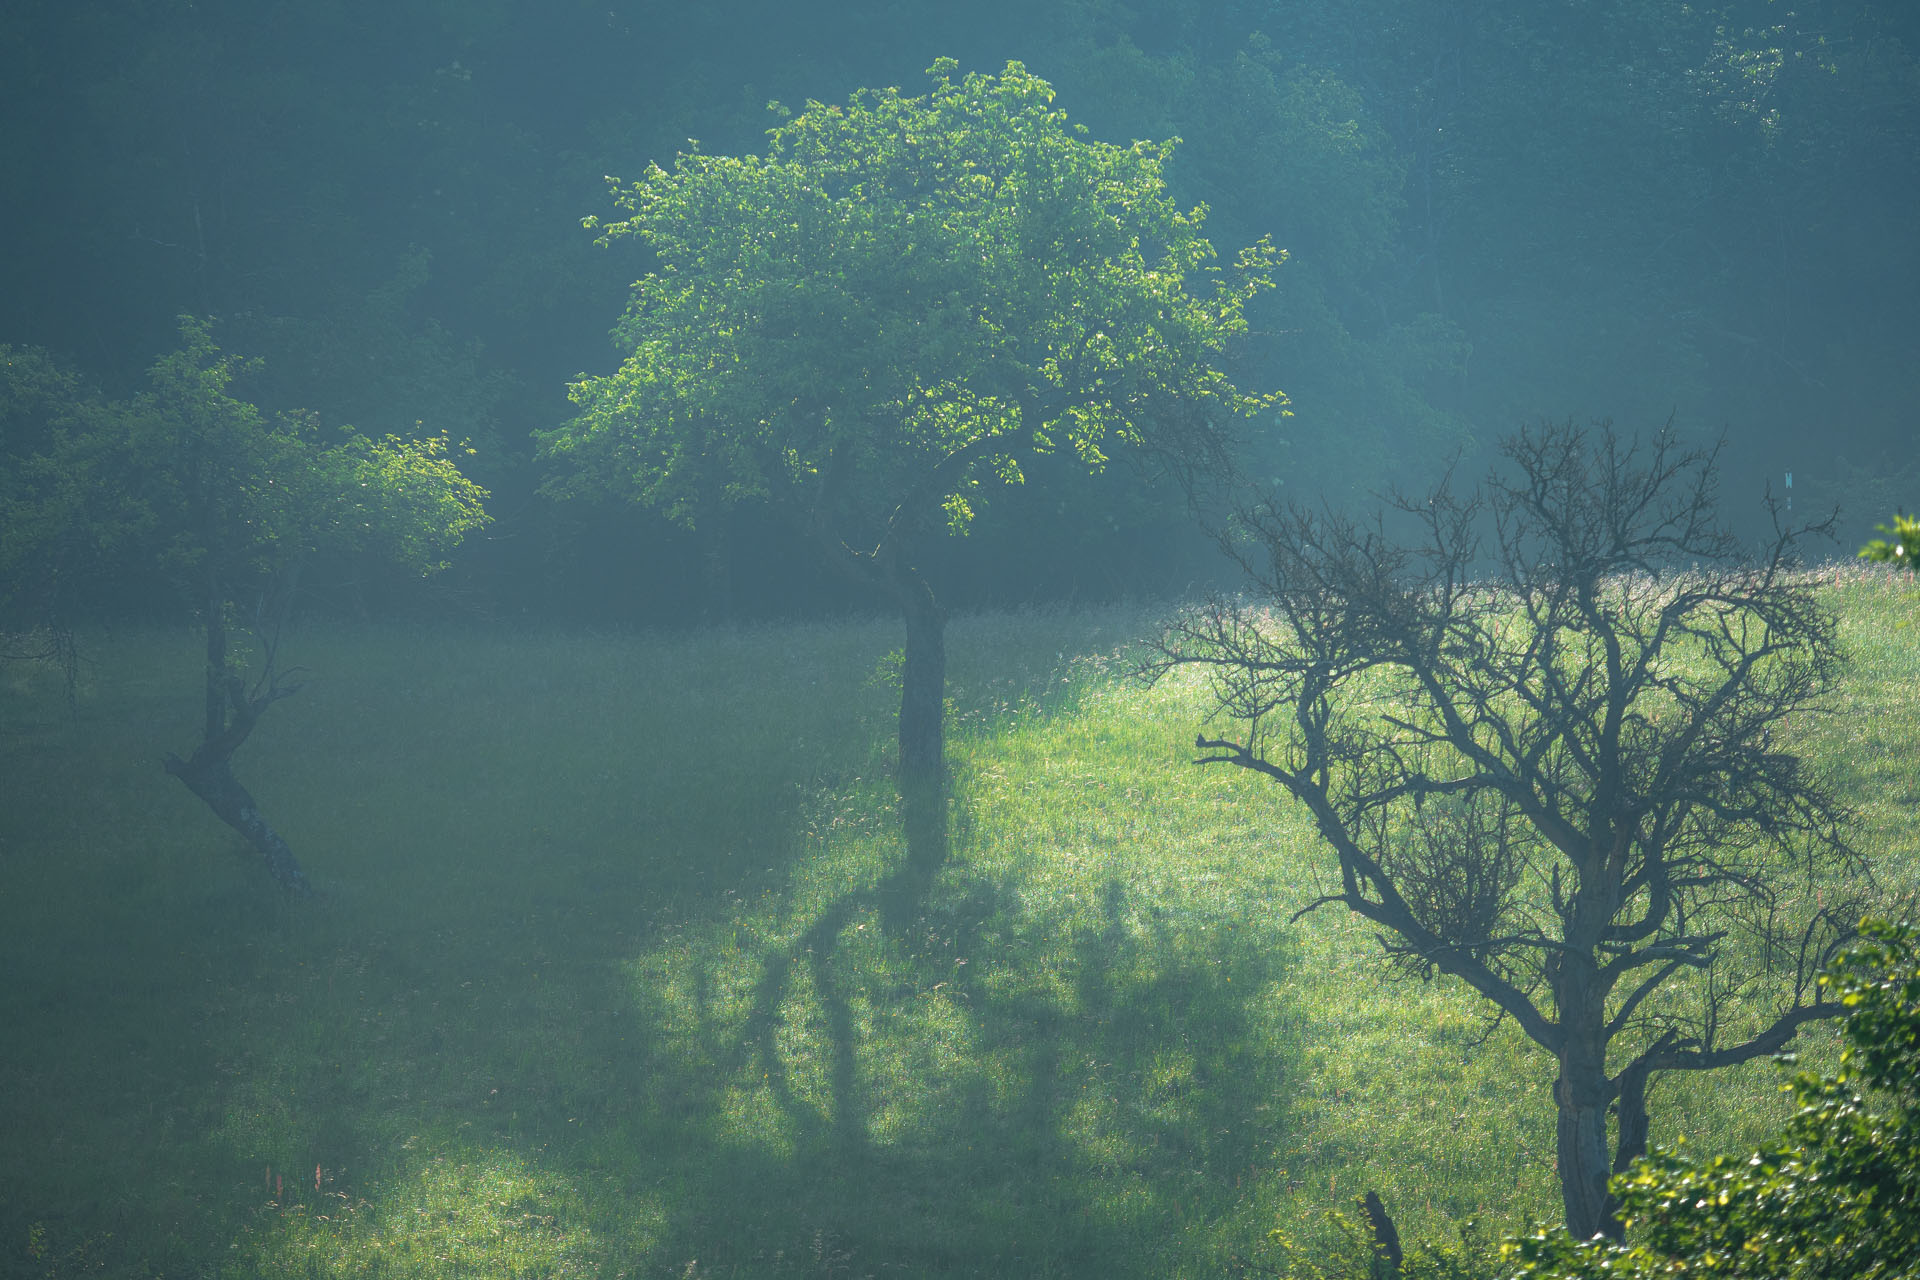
(899, 308)
(635, 972)
(236, 497)
(205, 487)
(1493, 212)
(1837, 1194)
(898, 303)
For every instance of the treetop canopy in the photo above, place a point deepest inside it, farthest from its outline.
(224, 479)
(901, 298)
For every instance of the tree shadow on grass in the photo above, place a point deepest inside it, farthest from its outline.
(975, 1087)
(450, 1006)
(898, 898)
(925, 1073)
(626, 992)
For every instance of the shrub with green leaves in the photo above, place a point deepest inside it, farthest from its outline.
(1902, 549)
(1836, 1195)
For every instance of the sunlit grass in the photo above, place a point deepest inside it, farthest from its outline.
(455, 1212)
(620, 969)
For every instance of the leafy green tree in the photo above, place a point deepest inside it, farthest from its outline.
(241, 501)
(1837, 1194)
(888, 314)
(229, 503)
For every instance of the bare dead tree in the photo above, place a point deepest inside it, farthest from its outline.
(1541, 737)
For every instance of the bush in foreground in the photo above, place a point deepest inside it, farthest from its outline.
(1836, 1195)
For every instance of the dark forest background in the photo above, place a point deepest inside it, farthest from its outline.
(1496, 212)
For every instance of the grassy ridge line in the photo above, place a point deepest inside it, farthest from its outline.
(601, 986)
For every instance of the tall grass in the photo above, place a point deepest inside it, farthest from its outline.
(625, 967)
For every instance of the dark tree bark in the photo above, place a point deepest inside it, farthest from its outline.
(923, 687)
(231, 713)
(890, 567)
(1633, 1122)
(212, 780)
(1386, 1236)
(1541, 737)
(1581, 1096)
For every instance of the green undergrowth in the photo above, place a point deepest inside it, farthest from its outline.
(623, 965)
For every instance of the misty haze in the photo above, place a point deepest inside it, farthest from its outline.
(883, 639)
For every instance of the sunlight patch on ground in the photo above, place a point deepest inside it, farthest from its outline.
(634, 967)
(478, 1212)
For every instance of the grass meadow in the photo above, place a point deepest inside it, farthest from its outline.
(603, 980)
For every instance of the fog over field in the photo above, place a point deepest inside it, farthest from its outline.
(899, 639)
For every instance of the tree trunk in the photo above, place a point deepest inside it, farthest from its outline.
(213, 781)
(1389, 1256)
(1631, 1142)
(208, 773)
(1581, 1096)
(215, 723)
(923, 688)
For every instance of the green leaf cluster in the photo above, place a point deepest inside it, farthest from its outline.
(216, 492)
(873, 323)
(227, 483)
(1837, 1194)
(1901, 546)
